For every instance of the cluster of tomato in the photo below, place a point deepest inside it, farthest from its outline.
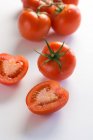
(39, 16)
(56, 61)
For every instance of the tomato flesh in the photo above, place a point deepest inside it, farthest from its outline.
(12, 68)
(46, 97)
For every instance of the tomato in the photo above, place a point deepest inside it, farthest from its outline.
(33, 26)
(67, 21)
(56, 61)
(46, 97)
(35, 4)
(12, 68)
(25, 3)
(70, 2)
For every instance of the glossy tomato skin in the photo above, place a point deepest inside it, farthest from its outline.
(51, 69)
(50, 107)
(12, 81)
(32, 26)
(71, 2)
(67, 21)
(35, 4)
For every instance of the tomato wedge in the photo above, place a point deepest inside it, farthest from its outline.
(46, 97)
(12, 68)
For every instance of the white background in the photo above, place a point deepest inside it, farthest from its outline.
(75, 120)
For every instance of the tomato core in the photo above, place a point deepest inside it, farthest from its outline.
(45, 96)
(10, 68)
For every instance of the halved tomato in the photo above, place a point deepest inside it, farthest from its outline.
(12, 68)
(46, 97)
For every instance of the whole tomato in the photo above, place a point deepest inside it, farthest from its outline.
(33, 26)
(56, 61)
(43, 6)
(67, 20)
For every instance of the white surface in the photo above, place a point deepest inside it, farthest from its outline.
(75, 120)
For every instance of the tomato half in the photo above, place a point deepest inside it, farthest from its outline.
(12, 68)
(33, 26)
(46, 97)
(70, 2)
(56, 61)
(67, 21)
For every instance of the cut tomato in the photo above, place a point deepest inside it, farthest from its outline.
(46, 97)
(12, 68)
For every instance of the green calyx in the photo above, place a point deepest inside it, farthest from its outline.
(59, 6)
(54, 56)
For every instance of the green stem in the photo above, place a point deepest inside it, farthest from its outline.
(54, 56)
(51, 51)
(57, 4)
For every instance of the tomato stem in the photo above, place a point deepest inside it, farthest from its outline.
(59, 6)
(60, 47)
(43, 5)
(54, 56)
(51, 51)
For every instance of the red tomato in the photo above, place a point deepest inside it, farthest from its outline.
(46, 97)
(67, 21)
(58, 62)
(71, 1)
(25, 3)
(35, 4)
(32, 26)
(12, 68)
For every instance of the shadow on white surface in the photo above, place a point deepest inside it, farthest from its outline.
(64, 83)
(55, 37)
(26, 47)
(38, 127)
(7, 92)
(17, 14)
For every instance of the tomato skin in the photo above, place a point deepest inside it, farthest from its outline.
(32, 26)
(4, 80)
(25, 3)
(51, 69)
(51, 107)
(34, 4)
(70, 2)
(67, 21)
